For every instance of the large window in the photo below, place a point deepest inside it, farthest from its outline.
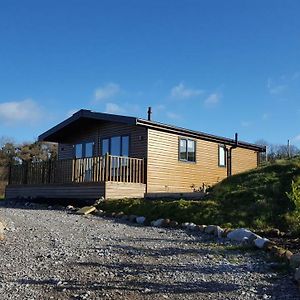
(84, 150)
(222, 156)
(187, 150)
(117, 145)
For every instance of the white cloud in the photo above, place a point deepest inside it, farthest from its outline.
(25, 111)
(212, 100)
(181, 92)
(113, 108)
(296, 138)
(173, 116)
(275, 89)
(107, 92)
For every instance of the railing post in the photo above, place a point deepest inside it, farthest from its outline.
(25, 174)
(106, 166)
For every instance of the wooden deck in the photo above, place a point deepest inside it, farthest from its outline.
(86, 178)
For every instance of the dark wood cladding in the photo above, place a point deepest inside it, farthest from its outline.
(52, 191)
(95, 132)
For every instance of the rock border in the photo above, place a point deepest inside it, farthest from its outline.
(242, 235)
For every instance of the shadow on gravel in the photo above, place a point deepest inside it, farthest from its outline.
(140, 286)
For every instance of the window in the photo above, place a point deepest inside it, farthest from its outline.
(222, 156)
(78, 151)
(117, 145)
(84, 150)
(187, 150)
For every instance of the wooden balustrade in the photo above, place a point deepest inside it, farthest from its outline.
(90, 169)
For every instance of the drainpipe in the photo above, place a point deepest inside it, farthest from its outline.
(229, 156)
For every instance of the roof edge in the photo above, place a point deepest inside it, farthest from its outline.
(198, 134)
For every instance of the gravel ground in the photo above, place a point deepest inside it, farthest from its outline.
(52, 254)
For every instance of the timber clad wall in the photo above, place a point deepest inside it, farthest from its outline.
(167, 174)
(96, 132)
(243, 160)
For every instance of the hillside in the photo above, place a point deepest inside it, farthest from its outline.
(259, 198)
(256, 199)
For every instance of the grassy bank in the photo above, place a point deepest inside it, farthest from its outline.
(258, 199)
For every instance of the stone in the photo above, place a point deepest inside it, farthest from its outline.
(239, 234)
(218, 231)
(132, 218)
(288, 254)
(86, 210)
(99, 213)
(210, 229)
(157, 223)
(185, 225)
(166, 223)
(191, 226)
(260, 242)
(173, 224)
(140, 220)
(295, 260)
(70, 208)
(119, 215)
(125, 218)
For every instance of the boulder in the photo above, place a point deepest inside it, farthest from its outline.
(295, 260)
(70, 208)
(99, 213)
(239, 234)
(191, 226)
(288, 254)
(210, 229)
(157, 223)
(260, 242)
(132, 218)
(173, 224)
(218, 231)
(119, 215)
(140, 220)
(185, 225)
(166, 223)
(86, 210)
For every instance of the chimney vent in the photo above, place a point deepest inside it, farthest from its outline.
(149, 113)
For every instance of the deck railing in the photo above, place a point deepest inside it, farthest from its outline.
(90, 169)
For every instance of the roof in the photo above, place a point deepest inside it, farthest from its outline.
(82, 115)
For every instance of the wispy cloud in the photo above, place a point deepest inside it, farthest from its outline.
(180, 91)
(212, 100)
(275, 89)
(114, 108)
(106, 92)
(26, 111)
(296, 138)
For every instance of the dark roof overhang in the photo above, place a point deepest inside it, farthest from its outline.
(82, 117)
(56, 133)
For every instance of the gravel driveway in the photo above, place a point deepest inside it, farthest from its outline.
(51, 254)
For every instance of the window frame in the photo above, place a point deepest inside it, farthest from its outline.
(187, 156)
(121, 143)
(83, 149)
(225, 155)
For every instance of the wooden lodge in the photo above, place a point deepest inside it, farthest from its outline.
(112, 156)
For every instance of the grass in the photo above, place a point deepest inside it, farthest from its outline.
(257, 199)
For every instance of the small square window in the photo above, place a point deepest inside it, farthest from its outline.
(187, 150)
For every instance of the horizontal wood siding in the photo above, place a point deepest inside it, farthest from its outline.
(119, 190)
(167, 174)
(74, 191)
(95, 132)
(243, 160)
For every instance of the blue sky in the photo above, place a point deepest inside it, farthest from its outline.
(216, 66)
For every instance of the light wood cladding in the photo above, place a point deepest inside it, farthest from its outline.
(243, 160)
(165, 173)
